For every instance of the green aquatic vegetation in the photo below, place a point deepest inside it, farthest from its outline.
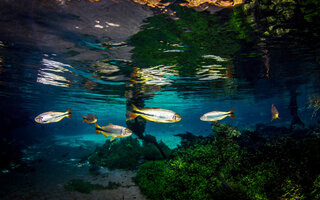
(86, 187)
(219, 167)
(122, 154)
(225, 131)
(316, 188)
(200, 171)
(291, 190)
(150, 179)
(151, 152)
(126, 153)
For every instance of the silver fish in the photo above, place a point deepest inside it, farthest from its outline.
(217, 115)
(114, 131)
(52, 116)
(154, 114)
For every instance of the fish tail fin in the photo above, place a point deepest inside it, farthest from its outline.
(132, 115)
(69, 113)
(232, 113)
(275, 117)
(97, 127)
(84, 119)
(70, 84)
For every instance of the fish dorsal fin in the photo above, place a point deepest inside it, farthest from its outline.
(110, 124)
(134, 107)
(97, 126)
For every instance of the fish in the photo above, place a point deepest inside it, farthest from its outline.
(274, 112)
(217, 115)
(158, 115)
(52, 116)
(90, 119)
(112, 130)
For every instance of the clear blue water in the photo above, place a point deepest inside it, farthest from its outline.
(100, 57)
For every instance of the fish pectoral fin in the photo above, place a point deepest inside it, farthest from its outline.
(97, 132)
(216, 121)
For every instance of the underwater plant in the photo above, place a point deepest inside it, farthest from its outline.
(126, 153)
(123, 154)
(200, 171)
(222, 166)
(316, 188)
(150, 179)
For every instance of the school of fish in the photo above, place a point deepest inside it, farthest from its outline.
(158, 115)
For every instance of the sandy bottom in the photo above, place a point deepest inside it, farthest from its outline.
(52, 163)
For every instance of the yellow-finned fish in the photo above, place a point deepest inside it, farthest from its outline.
(154, 114)
(90, 119)
(52, 116)
(114, 131)
(217, 115)
(274, 112)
